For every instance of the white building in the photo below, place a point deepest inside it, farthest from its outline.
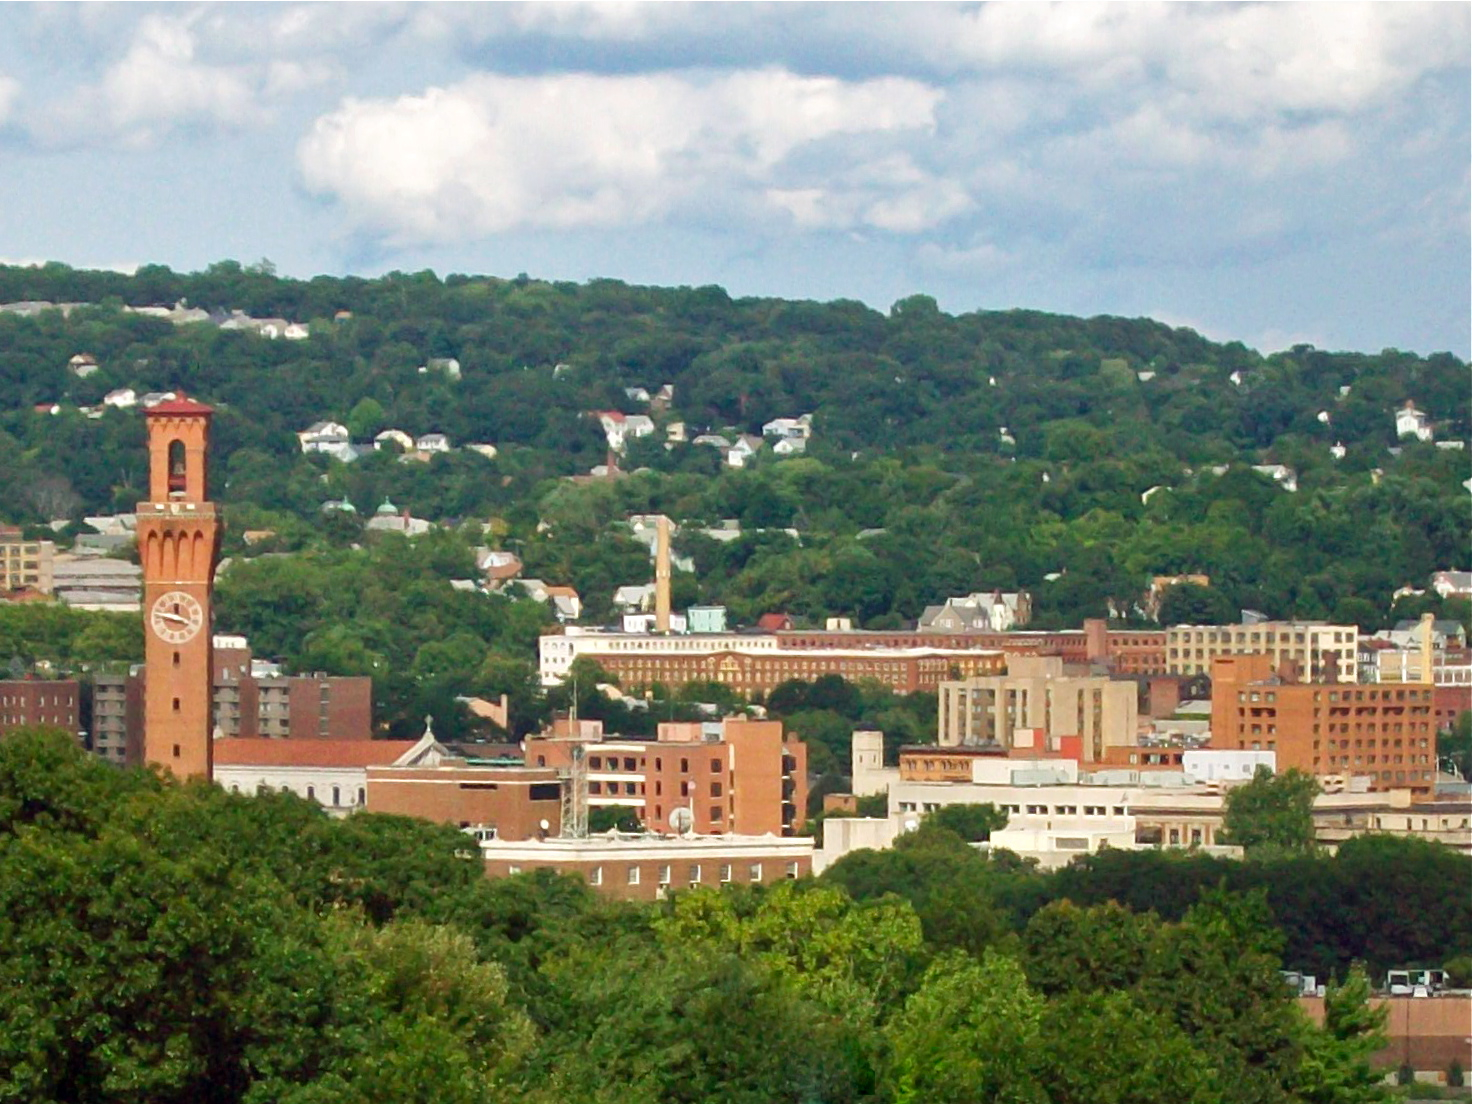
(396, 437)
(122, 399)
(558, 650)
(1280, 474)
(618, 427)
(330, 438)
(432, 442)
(333, 773)
(1410, 422)
(800, 427)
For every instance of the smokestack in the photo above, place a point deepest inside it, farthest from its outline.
(1428, 624)
(662, 576)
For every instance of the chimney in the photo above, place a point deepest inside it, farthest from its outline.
(1428, 625)
(662, 576)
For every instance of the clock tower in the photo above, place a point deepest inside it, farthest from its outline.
(179, 546)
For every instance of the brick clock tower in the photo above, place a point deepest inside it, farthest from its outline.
(179, 546)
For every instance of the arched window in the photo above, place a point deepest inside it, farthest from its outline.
(362, 797)
(311, 793)
(336, 797)
(176, 467)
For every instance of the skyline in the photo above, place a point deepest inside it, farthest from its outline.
(1263, 173)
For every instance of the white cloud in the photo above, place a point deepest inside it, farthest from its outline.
(9, 93)
(494, 153)
(163, 83)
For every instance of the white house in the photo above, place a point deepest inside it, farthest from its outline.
(150, 399)
(634, 598)
(1284, 476)
(714, 440)
(490, 452)
(1410, 422)
(330, 438)
(637, 394)
(801, 427)
(432, 442)
(82, 365)
(1452, 584)
(122, 398)
(1337, 450)
(619, 427)
(790, 446)
(394, 436)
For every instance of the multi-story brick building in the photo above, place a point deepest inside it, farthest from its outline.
(1311, 650)
(735, 776)
(1037, 706)
(52, 702)
(117, 717)
(25, 564)
(513, 802)
(645, 868)
(1386, 733)
(905, 659)
(252, 698)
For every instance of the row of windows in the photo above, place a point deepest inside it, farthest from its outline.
(694, 873)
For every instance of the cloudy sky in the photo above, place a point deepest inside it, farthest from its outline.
(1269, 173)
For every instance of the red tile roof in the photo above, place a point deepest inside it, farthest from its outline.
(261, 752)
(182, 405)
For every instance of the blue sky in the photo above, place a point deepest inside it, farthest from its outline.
(1267, 173)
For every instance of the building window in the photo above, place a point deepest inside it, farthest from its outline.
(595, 876)
(513, 869)
(725, 872)
(791, 870)
(362, 796)
(633, 875)
(754, 872)
(694, 873)
(715, 812)
(715, 787)
(336, 796)
(311, 793)
(664, 875)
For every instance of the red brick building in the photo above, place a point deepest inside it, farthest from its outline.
(738, 776)
(53, 702)
(1383, 731)
(519, 803)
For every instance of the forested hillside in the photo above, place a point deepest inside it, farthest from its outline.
(1073, 457)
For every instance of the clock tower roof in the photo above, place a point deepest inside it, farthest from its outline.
(182, 405)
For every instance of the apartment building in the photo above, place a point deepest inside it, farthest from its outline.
(734, 776)
(25, 564)
(52, 702)
(1386, 733)
(1036, 706)
(1312, 650)
(117, 717)
(253, 698)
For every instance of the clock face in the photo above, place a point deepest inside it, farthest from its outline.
(176, 617)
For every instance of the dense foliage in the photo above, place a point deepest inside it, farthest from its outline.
(950, 454)
(171, 942)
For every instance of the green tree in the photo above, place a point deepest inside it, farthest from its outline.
(1335, 1068)
(1272, 813)
(973, 823)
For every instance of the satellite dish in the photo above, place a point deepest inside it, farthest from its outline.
(681, 820)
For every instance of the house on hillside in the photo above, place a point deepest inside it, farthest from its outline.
(1410, 422)
(987, 611)
(799, 427)
(432, 442)
(82, 365)
(123, 398)
(330, 438)
(396, 437)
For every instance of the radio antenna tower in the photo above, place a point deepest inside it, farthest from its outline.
(575, 796)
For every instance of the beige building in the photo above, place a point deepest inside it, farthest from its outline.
(1036, 706)
(25, 564)
(1320, 652)
(647, 867)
